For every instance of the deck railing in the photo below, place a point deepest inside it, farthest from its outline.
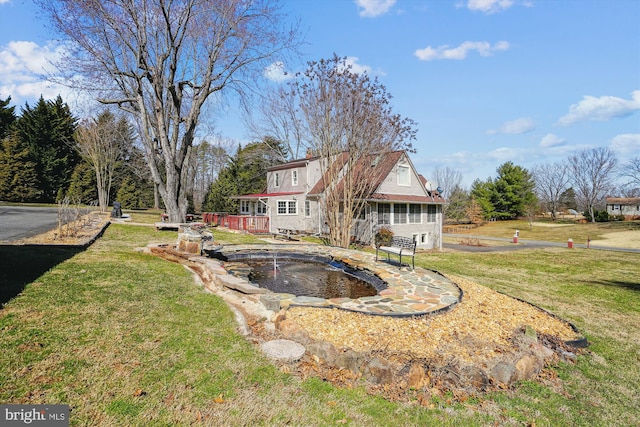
(251, 224)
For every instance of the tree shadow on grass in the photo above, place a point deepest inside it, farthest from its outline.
(632, 286)
(22, 264)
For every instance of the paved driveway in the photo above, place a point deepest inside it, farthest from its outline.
(19, 222)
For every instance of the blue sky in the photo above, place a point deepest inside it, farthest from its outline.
(487, 81)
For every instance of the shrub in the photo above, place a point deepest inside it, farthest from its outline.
(383, 236)
(601, 216)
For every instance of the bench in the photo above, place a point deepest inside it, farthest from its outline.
(285, 233)
(401, 246)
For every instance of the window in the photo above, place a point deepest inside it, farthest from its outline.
(244, 206)
(399, 213)
(287, 207)
(307, 208)
(415, 212)
(432, 210)
(423, 238)
(294, 177)
(384, 213)
(404, 178)
(277, 179)
(261, 209)
(414, 236)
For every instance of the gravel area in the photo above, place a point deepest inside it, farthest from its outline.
(480, 328)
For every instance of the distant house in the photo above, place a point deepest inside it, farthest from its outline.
(399, 200)
(629, 207)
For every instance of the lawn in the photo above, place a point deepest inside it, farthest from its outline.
(546, 230)
(126, 338)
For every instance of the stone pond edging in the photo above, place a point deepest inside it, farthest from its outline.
(410, 294)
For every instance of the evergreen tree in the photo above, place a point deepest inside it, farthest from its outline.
(512, 192)
(568, 199)
(481, 194)
(7, 117)
(245, 173)
(82, 187)
(18, 180)
(46, 130)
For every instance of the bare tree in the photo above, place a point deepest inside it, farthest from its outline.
(99, 141)
(447, 180)
(350, 126)
(279, 120)
(552, 180)
(209, 159)
(630, 172)
(161, 60)
(457, 203)
(592, 175)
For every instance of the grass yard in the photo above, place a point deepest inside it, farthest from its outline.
(559, 231)
(126, 338)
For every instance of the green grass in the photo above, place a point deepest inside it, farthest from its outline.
(579, 232)
(126, 338)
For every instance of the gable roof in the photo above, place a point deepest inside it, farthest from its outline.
(627, 201)
(383, 163)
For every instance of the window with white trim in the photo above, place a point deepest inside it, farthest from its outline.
(399, 213)
(384, 213)
(404, 176)
(432, 210)
(287, 207)
(415, 213)
(244, 206)
(424, 238)
(261, 209)
(277, 179)
(294, 177)
(307, 208)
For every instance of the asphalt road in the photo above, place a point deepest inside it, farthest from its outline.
(19, 222)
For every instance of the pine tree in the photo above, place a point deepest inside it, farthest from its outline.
(7, 117)
(46, 130)
(18, 180)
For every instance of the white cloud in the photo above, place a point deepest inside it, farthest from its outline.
(23, 65)
(373, 8)
(489, 6)
(276, 72)
(551, 140)
(515, 127)
(626, 144)
(355, 67)
(444, 52)
(4, 1)
(601, 109)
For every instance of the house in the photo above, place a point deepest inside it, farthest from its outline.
(399, 199)
(629, 207)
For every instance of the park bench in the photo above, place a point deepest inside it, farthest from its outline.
(285, 233)
(401, 246)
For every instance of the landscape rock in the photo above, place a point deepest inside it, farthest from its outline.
(379, 371)
(292, 330)
(416, 377)
(325, 351)
(527, 366)
(503, 373)
(349, 359)
(283, 350)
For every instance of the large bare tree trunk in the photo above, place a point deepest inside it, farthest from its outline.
(161, 61)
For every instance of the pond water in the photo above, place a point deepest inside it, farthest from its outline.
(322, 280)
(303, 275)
